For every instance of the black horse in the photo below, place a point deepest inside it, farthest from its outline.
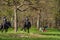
(27, 26)
(5, 26)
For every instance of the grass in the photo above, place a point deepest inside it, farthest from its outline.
(51, 34)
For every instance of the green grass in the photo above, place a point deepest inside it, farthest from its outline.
(51, 34)
(16, 37)
(31, 39)
(24, 38)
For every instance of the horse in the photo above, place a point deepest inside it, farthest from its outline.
(27, 26)
(5, 26)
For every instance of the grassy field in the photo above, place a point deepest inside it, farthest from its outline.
(51, 34)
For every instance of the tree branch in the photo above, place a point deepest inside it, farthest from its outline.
(22, 10)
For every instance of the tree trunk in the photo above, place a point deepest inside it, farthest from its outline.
(38, 21)
(15, 23)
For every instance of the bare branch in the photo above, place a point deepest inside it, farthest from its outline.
(20, 6)
(19, 9)
(22, 10)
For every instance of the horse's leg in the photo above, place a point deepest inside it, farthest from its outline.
(6, 29)
(22, 28)
(2, 29)
(28, 30)
(25, 29)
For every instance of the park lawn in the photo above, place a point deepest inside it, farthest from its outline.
(12, 36)
(51, 34)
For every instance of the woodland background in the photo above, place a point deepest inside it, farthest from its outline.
(40, 12)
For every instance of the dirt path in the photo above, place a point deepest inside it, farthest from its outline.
(22, 35)
(27, 35)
